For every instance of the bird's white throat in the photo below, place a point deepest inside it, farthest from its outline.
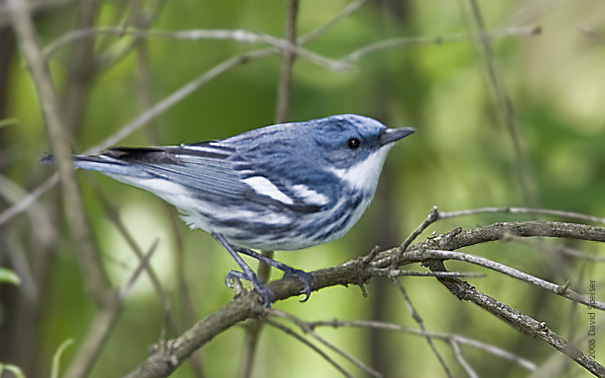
(364, 174)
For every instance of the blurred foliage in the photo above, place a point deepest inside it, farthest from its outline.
(8, 276)
(14, 370)
(462, 157)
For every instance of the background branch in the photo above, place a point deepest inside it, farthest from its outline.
(152, 112)
(97, 282)
(282, 112)
(436, 335)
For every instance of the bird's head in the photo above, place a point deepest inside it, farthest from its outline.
(354, 147)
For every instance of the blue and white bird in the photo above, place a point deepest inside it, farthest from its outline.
(281, 187)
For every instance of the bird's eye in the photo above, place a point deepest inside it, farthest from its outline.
(353, 143)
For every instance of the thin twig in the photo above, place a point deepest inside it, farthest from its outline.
(282, 108)
(143, 266)
(523, 210)
(184, 292)
(408, 273)
(241, 36)
(235, 35)
(579, 254)
(449, 337)
(254, 326)
(290, 332)
(109, 55)
(346, 11)
(505, 107)
(411, 41)
(561, 290)
(38, 215)
(418, 319)
(561, 249)
(81, 69)
(430, 219)
(178, 95)
(307, 329)
(462, 361)
(29, 199)
(114, 217)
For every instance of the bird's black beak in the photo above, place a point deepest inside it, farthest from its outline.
(393, 135)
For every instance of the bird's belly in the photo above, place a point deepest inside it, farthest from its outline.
(267, 229)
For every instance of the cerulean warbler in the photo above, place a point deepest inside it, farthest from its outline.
(281, 187)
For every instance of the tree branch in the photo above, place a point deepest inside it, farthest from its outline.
(527, 325)
(356, 271)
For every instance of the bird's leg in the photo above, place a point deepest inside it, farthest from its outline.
(247, 274)
(306, 278)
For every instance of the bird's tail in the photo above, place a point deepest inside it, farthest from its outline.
(101, 163)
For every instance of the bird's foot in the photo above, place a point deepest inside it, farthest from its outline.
(265, 293)
(307, 280)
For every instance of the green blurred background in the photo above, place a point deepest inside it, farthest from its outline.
(461, 157)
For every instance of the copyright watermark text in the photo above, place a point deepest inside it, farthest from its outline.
(592, 320)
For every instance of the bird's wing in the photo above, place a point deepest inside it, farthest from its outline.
(206, 167)
(212, 168)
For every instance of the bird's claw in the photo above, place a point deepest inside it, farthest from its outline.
(265, 293)
(307, 280)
